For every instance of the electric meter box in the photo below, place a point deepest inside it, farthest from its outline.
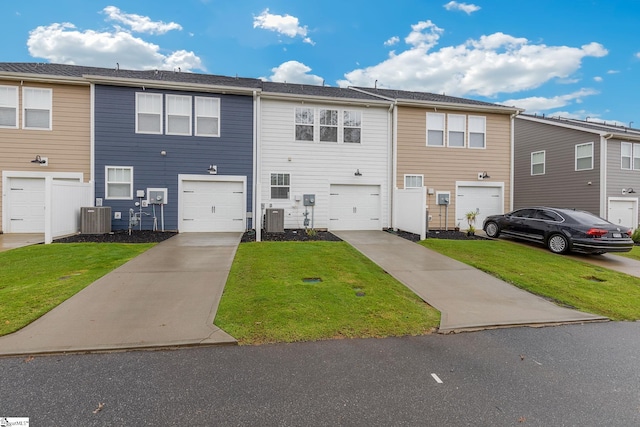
(309, 199)
(443, 198)
(157, 196)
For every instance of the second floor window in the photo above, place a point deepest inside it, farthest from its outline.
(8, 106)
(537, 163)
(584, 156)
(149, 113)
(36, 108)
(178, 115)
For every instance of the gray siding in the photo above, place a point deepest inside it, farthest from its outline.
(617, 178)
(561, 185)
(117, 144)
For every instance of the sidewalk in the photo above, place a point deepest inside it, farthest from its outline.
(167, 296)
(467, 298)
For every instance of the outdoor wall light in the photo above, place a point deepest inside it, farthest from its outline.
(38, 160)
(357, 173)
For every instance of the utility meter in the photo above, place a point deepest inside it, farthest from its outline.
(309, 199)
(443, 198)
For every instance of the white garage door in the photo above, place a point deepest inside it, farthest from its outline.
(212, 206)
(25, 205)
(354, 207)
(623, 212)
(483, 200)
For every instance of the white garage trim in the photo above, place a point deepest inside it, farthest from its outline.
(494, 208)
(630, 216)
(48, 212)
(238, 210)
(355, 207)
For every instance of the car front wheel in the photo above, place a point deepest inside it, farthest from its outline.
(492, 229)
(558, 244)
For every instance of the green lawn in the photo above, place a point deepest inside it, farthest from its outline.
(35, 279)
(634, 254)
(267, 300)
(573, 283)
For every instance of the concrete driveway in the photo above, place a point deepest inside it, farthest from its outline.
(167, 296)
(18, 240)
(467, 298)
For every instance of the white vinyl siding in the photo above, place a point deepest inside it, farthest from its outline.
(8, 106)
(178, 115)
(207, 116)
(626, 153)
(584, 156)
(149, 113)
(537, 163)
(477, 131)
(36, 108)
(119, 182)
(413, 181)
(352, 121)
(456, 126)
(435, 129)
(280, 185)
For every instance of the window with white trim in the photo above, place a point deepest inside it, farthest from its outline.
(435, 129)
(305, 122)
(477, 131)
(328, 125)
(118, 182)
(352, 123)
(626, 153)
(9, 107)
(413, 181)
(636, 156)
(280, 185)
(207, 116)
(36, 108)
(456, 130)
(178, 115)
(537, 163)
(148, 113)
(584, 156)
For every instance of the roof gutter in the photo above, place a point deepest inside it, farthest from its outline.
(48, 78)
(323, 99)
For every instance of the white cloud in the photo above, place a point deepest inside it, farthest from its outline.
(63, 43)
(598, 79)
(294, 72)
(613, 72)
(493, 64)
(464, 7)
(539, 104)
(393, 40)
(139, 24)
(282, 24)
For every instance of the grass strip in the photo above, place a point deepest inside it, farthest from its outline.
(267, 299)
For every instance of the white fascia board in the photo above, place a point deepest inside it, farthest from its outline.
(163, 84)
(324, 99)
(44, 78)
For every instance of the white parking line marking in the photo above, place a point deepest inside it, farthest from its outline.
(435, 377)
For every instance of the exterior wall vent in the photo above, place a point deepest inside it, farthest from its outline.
(95, 220)
(274, 221)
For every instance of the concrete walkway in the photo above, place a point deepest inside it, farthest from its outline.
(467, 298)
(168, 296)
(18, 240)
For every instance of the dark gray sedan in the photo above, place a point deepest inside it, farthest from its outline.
(561, 230)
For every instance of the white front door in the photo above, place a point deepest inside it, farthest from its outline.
(484, 200)
(354, 207)
(212, 206)
(25, 205)
(623, 212)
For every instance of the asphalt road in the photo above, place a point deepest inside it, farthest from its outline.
(579, 375)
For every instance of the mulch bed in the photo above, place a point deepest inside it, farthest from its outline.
(149, 236)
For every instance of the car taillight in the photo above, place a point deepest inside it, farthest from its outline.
(629, 232)
(596, 232)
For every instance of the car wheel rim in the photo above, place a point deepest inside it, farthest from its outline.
(557, 244)
(491, 229)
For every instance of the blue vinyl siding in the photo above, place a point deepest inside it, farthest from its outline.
(117, 144)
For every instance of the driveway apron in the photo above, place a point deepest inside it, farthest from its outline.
(167, 296)
(467, 298)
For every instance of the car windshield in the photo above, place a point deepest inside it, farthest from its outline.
(588, 218)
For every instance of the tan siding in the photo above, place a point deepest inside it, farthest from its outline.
(443, 166)
(67, 145)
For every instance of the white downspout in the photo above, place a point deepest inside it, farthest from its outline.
(92, 147)
(393, 137)
(511, 165)
(257, 169)
(603, 178)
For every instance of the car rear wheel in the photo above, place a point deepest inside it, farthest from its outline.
(492, 229)
(558, 244)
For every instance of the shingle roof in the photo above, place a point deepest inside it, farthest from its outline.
(586, 125)
(153, 75)
(314, 90)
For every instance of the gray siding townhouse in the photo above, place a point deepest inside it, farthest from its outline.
(578, 164)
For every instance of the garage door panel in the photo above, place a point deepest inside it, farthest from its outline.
(354, 207)
(25, 205)
(622, 212)
(212, 206)
(484, 200)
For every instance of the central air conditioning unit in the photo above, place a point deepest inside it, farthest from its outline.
(274, 221)
(95, 220)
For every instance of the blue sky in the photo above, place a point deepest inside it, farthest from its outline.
(578, 58)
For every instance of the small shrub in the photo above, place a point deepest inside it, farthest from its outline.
(636, 235)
